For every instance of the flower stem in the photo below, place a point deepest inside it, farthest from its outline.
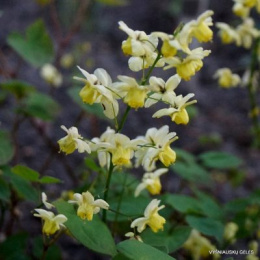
(110, 171)
(252, 94)
(123, 119)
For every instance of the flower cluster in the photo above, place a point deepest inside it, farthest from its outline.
(243, 35)
(154, 149)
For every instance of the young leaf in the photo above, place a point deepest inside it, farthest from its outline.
(49, 179)
(41, 106)
(207, 226)
(6, 148)
(93, 234)
(4, 190)
(220, 160)
(26, 173)
(36, 47)
(182, 203)
(17, 87)
(136, 250)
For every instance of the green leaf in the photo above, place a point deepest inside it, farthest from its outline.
(191, 172)
(184, 156)
(113, 2)
(91, 164)
(165, 241)
(49, 180)
(41, 106)
(4, 190)
(24, 188)
(130, 207)
(182, 203)
(17, 87)
(36, 47)
(94, 109)
(6, 148)
(26, 173)
(120, 257)
(220, 160)
(93, 234)
(209, 206)
(207, 226)
(136, 250)
(14, 247)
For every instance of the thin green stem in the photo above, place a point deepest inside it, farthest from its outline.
(123, 119)
(110, 171)
(145, 79)
(252, 93)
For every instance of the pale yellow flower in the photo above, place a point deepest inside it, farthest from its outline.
(187, 67)
(199, 246)
(151, 182)
(151, 218)
(177, 110)
(52, 223)
(133, 93)
(156, 146)
(73, 141)
(163, 91)
(228, 34)
(247, 32)
(51, 75)
(44, 201)
(97, 90)
(240, 10)
(132, 236)
(87, 206)
(226, 78)
(230, 231)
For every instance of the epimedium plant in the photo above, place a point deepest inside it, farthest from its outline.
(116, 212)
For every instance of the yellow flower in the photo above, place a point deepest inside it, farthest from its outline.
(151, 182)
(226, 78)
(44, 201)
(133, 93)
(97, 90)
(52, 223)
(228, 34)
(163, 91)
(188, 66)
(51, 75)
(177, 110)
(87, 206)
(199, 246)
(230, 231)
(156, 146)
(73, 141)
(240, 10)
(151, 218)
(201, 30)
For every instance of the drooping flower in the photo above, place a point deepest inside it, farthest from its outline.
(52, 223)
(226, 78)
(73, 141)
(97, 90)
(163, 91)
(156, 146)
(151, 218)
(240, 10)
(230, 231)
(44, 201)
(228, 34)
(151, 182)
(188, 66)
(51, 75)
(138, 43)
(87, 206)
(177, 110)
(199, 246)
(200, 28)
(247, 32)
(133, 93)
